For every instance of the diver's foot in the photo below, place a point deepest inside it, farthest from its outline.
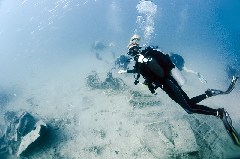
(225, 117)
(212, 92)
(223, 114)
(220, 113)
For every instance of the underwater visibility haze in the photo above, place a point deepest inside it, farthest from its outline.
(48, 49)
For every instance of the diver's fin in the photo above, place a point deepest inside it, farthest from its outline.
(214, 92)
(235, 136)
(230, 129)
(232, 85)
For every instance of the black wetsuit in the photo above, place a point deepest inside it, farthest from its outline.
(159, 76)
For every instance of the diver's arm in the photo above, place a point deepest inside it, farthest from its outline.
(127, 71)
(122, 71)
(189, 70)
(200, 77)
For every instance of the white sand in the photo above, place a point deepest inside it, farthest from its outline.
(97, 125)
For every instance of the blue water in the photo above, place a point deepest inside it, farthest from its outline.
(44, 28)
(38, 36)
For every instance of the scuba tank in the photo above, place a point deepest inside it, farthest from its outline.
(177, 75)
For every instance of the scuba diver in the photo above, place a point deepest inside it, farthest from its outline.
(159, 72)
(179, 62)
(98, 48)
(122, 62)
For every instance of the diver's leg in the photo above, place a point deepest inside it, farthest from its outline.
(199, 98)
(180, 97)
(207, 94)
(201, 109)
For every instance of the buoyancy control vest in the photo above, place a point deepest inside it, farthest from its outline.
(162, 59)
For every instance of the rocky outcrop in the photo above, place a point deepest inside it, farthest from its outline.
(110, 85)
(20, 132)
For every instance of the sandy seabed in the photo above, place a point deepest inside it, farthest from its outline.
(100, 123)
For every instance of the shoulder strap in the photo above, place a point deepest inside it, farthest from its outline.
(137, 78)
